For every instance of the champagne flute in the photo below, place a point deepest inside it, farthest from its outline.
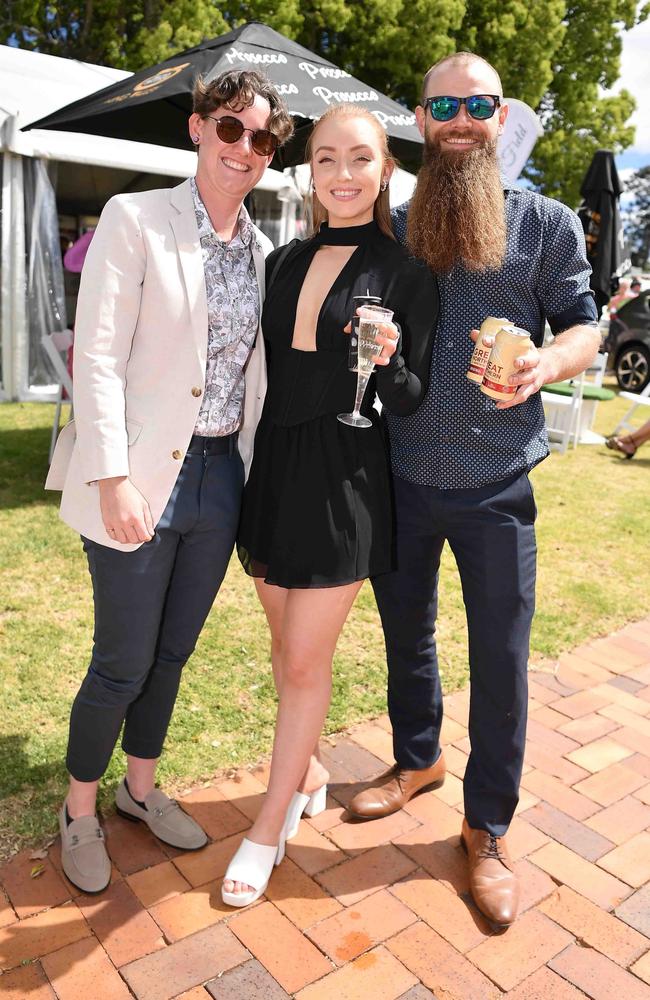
(358, 300)
(368, 349)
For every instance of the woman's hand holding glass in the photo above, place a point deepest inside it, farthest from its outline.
(387, 336)
(377, 343)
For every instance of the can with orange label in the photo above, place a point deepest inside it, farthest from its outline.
(478, 363)
(509, 344)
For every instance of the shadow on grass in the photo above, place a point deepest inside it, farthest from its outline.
(637, 459)
(30, 793)
(23, 468)
(640, 458)
(18, 772)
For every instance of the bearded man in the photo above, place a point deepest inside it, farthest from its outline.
(461, 462)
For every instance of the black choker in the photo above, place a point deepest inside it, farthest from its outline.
(345, 236)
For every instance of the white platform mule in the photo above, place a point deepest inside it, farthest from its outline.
(252, 864)
(304, 805)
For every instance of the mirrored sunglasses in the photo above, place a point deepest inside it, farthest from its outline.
(230, 130)
(479, 106)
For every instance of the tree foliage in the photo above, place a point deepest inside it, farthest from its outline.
(132, 34)
(638, 223)
(577, 119)
(518, 38)
(556, 55)
(391, 44)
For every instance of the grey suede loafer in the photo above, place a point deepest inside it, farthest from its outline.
(83, 853)
(163, 816)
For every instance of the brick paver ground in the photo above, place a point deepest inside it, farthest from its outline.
(381, 909)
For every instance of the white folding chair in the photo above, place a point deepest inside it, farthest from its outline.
(636, 399)
(562, 415)
(593, 381)
(595, 373)
(55, 345)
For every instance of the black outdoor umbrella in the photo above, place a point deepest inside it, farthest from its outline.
(153, 105)
(601, 221)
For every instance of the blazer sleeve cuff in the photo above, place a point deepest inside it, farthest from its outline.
(105, 465)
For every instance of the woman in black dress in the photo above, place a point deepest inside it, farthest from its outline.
(317, 514)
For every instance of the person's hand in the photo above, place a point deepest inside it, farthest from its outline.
(532, 373)
(125, 512)
(387, 336)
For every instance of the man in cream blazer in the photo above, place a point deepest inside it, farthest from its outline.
(137, 396)
(169, 381)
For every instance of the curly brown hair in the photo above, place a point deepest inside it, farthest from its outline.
(236, 90)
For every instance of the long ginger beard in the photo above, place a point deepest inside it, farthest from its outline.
(457, 212)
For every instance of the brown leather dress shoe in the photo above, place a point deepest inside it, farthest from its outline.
(395, 788)
(492, 880)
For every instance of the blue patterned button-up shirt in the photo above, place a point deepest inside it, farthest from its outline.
(457, 439)
(233, 318)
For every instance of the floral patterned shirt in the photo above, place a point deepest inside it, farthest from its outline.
(233, 318)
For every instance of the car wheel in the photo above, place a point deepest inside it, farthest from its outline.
(633, 368)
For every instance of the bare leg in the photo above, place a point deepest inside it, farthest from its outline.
(627, 444)
(82, 795)
(81, 798)
(140, 776)
(640, 435)
(274, 600)
(311, 625)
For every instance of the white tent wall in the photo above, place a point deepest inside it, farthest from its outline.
(12, 277)
(46, 305)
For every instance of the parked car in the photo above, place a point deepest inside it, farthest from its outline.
(628, 343)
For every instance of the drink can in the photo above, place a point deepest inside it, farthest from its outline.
(478, 363)
(510, 343)
(359, 300)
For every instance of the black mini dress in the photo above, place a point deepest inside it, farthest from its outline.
(317, 509)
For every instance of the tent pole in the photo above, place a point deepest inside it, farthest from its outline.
(14, 318)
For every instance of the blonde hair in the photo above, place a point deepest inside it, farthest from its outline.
(381, 210)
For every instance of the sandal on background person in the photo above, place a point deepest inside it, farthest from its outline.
(625, 445)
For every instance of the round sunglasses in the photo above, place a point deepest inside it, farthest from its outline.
(479, 106)
(230, 130)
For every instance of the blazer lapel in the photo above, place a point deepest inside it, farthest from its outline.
(183, 223)
(260, 271)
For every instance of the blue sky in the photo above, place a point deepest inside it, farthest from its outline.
(635, 77)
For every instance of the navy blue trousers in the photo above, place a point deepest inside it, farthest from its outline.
(150, 606)
(492, 536)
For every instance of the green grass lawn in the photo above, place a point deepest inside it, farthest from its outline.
(593, 572)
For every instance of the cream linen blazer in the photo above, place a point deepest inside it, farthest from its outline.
(141, 338)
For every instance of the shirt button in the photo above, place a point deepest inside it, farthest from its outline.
(196, 390)
(177, 454)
